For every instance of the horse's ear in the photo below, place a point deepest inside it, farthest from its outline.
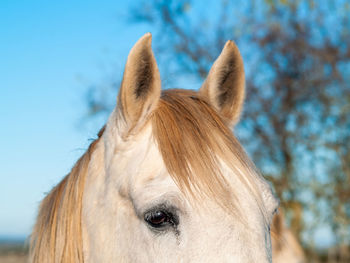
(140, 88)
(224, 86)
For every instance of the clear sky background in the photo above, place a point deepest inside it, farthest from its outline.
(50, 51)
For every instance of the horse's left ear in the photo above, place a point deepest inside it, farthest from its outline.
(140, 88)
(224, 86)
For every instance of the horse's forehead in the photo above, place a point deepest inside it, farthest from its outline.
(144, 161)
(180, 147)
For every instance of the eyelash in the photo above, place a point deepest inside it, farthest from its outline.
(165, 219)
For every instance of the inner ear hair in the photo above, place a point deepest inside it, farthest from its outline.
(140, 88)
(144, 75)
(225, 84)
(226, 77)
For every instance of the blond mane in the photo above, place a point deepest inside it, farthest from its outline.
(192, 137)
(57, 234)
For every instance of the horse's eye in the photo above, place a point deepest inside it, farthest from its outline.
(159, 218)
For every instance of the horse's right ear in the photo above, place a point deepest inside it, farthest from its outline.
(140, 88)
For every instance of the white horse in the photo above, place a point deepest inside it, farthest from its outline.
(166, 181)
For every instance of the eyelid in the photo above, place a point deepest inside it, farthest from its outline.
(170, 201)
(162, 205)
(169, 210)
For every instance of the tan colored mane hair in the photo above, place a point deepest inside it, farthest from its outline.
(277, 231)
(284, 242)
(57, 234)
(191, 137)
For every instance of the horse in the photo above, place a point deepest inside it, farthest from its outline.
(285, 246)
(165, 181)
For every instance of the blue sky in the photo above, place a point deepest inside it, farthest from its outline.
(50, 52)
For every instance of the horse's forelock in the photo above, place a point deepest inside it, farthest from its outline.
(192, 137)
